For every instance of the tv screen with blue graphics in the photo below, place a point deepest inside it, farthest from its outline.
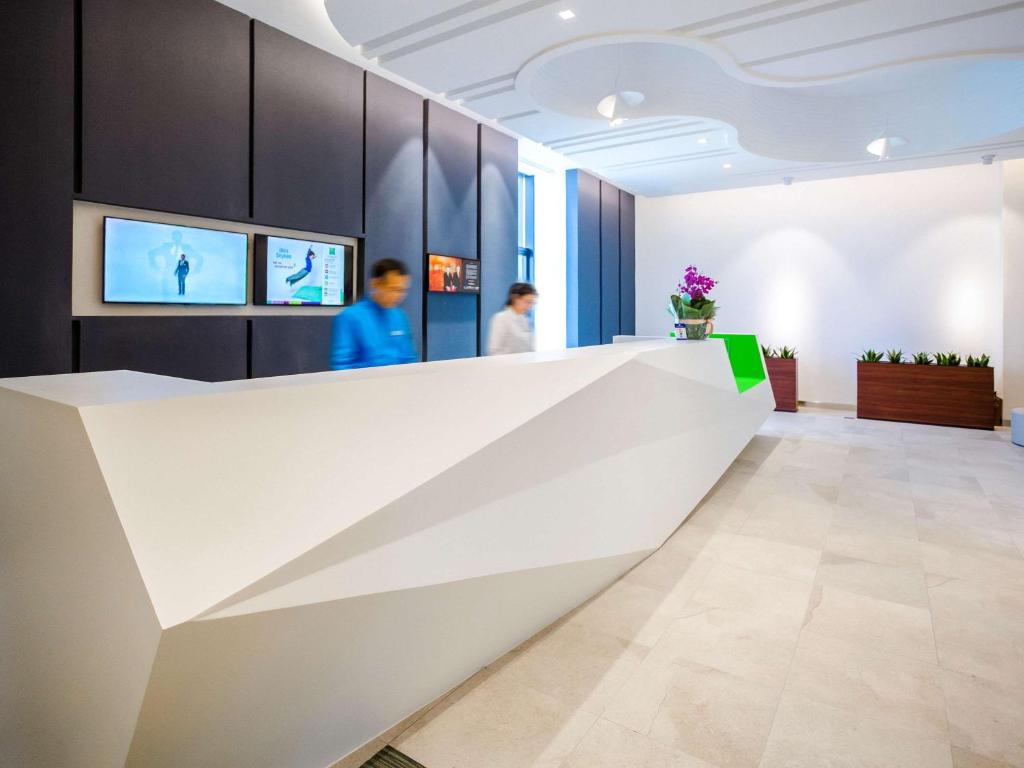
(303, 272)
(149, 263)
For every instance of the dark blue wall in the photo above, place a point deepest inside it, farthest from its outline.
(451, 167)
(627, 264)
(499, 258)
(609, 262)
(600, 260)
(307, 169)
(165, 106)
(583, 259)
(36, 180)
(394, 186)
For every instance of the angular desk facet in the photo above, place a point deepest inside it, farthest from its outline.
(273, 572)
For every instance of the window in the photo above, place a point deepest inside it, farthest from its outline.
(525, 188)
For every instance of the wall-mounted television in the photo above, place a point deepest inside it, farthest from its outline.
(149, 263)
(293, 272)
(451, 274)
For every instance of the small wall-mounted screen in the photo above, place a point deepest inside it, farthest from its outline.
(450, 274)
(149, 263)
(302, 272)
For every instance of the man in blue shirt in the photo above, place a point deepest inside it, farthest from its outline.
(375, 331)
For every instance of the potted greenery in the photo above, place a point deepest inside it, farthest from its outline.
(782, 373)
(691, 307)
(946, 393)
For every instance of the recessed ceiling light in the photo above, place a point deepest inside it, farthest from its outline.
(617, 122)
(727, 166)
(566, 15)
(702, 140)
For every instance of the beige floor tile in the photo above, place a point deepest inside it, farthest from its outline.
(953, 513)
(717, 513)
(631, 612)
(809, 734)
(499, 724)
(972, 564)
(964, 498)
(727, 586)
(715, 716)
(772, 557)
(985, 717)
(963, 758)
(679, 564)
(896, 583)
(947, 534)
(941, 479)
(863, 545)
(609, 745)
(876, 685)
(893, 627)
(888, 521)
(578, 666)
(793, 522)
(754, 646)
(637, 702)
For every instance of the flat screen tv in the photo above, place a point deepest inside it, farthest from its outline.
(290, 272)
(451, 274)
(149, 263)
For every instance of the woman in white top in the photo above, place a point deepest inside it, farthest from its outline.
(510, 330)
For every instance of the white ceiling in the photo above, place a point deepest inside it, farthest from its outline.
(773, 88)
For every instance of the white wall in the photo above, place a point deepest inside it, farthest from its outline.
(1013, 301)
(548, 171)
(912, 260)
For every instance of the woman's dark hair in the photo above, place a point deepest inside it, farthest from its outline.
(519, 289)
(386, 266)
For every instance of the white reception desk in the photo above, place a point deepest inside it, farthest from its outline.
(273, 572)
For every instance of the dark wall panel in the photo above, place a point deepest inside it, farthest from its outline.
(627, 264)
(609, 262)
(583, 259)
(36, 182)
(451, 325)
(451, 167)
(203, 348)
(283, 346)
(307, 136)
(499, 260)
(165, 106)
(394, 186)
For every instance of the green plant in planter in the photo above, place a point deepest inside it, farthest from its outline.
(870, 356)
(947, 358)
(894, 355)
(768, 351)
(922, 358)
(788, 353)
(978, 362)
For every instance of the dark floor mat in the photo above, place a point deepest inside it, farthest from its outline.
(390, 757)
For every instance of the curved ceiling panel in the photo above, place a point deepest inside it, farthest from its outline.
(935, 105)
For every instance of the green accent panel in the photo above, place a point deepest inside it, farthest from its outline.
(744, 357)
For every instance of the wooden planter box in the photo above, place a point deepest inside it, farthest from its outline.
(783, 377)
(926, 394)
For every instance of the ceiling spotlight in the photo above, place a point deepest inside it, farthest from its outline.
(702, 140)
(883, 146)
(987, 159)
(727, 166)
(616, 122)
(566, 15)
(616, 104)
(787, 180)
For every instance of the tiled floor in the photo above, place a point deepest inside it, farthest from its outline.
(850, 594)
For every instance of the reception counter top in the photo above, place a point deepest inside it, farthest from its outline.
(273, 572)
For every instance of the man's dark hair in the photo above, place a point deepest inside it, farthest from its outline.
(386, 266)
(519, 289)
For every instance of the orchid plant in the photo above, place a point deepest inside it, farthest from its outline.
(690, 301)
